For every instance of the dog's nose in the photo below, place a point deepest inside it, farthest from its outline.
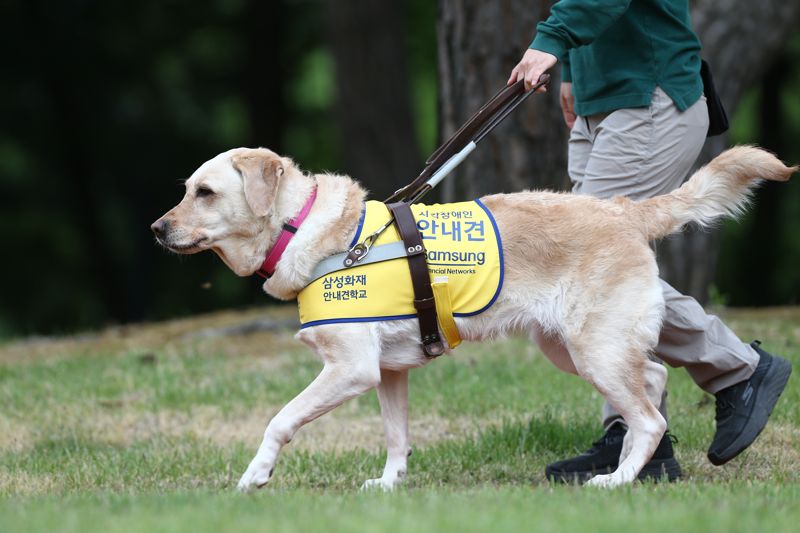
(159, 227)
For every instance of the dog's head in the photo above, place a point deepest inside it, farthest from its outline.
(227, 208)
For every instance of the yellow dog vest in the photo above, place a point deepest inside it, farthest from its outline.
(462, 246)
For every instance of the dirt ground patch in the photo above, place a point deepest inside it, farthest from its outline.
(338, 431)
(212, 332)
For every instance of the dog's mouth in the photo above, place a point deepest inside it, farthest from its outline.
(190, 248)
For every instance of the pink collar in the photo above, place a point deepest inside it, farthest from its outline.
(274, 255)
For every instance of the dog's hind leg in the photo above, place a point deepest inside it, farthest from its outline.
(618, 372)
(655, 381)
(625, 389)
(393, 397)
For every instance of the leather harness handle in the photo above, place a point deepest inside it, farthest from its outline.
(465, 132)
(424, 302)
(477, 127)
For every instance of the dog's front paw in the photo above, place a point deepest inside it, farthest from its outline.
(255, 477)
(384, 484)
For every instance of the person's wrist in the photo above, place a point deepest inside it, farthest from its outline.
(549, 45)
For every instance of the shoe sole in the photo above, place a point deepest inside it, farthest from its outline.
(656, 470)
(770, 390)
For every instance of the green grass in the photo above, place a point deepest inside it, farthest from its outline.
(732, 507)
(150, 427)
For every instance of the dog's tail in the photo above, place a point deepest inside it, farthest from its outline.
(721, 188)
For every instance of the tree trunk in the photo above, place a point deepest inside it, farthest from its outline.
(480, 42)
(373, 109)
(740, 41)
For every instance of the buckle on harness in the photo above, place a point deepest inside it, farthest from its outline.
(360, 250)
(432, 345)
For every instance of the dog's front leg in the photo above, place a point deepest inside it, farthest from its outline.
(336, 383)
(393, 397)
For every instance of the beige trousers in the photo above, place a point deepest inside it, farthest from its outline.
(645, 152)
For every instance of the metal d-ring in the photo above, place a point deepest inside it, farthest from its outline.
(357, 253)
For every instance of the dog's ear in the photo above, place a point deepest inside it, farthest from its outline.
(261, 171)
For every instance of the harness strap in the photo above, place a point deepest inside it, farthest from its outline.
(378, 254)
(424, 302)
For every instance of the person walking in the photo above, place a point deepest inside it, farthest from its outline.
(632, 96)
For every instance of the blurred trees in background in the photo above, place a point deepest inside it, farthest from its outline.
(105, 107)
(478, 45)
(480, 42)
(373, 108)
(743, 41)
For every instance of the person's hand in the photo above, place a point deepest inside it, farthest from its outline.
(567, 104)
(532, 65)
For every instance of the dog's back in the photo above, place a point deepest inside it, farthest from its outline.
(551, 236)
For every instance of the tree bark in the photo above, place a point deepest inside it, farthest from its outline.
(741, 40)
(373, 109)
(480, 42)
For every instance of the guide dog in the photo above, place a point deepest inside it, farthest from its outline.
(580, 279)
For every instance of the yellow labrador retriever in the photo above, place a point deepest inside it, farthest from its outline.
(580, 279)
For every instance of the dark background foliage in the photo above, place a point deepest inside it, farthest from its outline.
(106, 106)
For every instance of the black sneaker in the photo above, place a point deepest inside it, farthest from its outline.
(743, 409)
(603, 458)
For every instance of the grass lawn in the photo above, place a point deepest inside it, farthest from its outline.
(149, 428)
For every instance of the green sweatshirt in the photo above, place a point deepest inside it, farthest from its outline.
(616, 52)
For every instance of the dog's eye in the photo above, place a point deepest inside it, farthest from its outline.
(203, 192)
